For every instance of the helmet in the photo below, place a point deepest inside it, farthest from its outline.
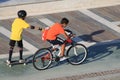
(22, 14)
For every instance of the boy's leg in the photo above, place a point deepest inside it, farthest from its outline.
(62, 50)
(20, 45)
(12, 44)
(10, 53)
(21, 53)
(62, 44)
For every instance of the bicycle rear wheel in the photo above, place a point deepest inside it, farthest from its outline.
(42, 59)
(77, 54)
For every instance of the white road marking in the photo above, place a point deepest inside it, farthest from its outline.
(93, 16)
(31, 49)
(101, 20)
(116, 22)
(77, 39)
(87, 44)
(47, 21)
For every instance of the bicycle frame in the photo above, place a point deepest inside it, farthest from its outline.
(55, 50)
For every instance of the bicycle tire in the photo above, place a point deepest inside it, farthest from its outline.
(77, 54)
(39, 57)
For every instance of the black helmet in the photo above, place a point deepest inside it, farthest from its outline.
(22, 14)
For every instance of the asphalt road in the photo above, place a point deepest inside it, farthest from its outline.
(103, 60)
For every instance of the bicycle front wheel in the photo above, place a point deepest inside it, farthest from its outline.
(77, 54)
(42, 59)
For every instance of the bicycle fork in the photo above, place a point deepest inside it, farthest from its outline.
(75, 51)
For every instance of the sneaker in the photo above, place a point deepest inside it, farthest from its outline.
(8, 62)
(63, 58)
(57, 58)
(21, 61)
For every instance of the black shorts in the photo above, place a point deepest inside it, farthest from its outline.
(19, 43)
(55, 42)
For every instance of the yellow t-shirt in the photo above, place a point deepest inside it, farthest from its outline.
(17, 28)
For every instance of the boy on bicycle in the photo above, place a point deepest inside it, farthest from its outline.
(18, 25)
(54, 31)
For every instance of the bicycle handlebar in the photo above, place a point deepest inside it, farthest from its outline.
(70, 34)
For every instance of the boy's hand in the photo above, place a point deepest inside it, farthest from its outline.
(38, 28)
(69, 40)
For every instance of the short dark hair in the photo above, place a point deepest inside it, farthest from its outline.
(64, 21)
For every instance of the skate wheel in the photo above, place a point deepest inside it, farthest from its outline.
(24, 64)
(10, 66)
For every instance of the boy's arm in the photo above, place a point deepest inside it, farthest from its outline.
(66, 36)
(36, 28)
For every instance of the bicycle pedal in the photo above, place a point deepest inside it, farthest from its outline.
(57, 59)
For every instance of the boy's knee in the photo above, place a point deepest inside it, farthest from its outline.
(11, 48)
(20, 49)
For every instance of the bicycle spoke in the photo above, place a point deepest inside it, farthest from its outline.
(42, 59)
(77, 54)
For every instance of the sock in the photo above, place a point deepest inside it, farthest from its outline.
(10, 54)
(21, 54)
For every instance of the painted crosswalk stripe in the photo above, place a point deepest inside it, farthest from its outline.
(77, 39)
(116, 22)
(46, 21)
(101, 20)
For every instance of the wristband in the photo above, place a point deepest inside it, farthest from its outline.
(32, 27)
(40, 29)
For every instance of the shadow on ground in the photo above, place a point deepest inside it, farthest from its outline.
(95, 52)
(101, 50)
(89, 37)
(16, 70)
(98, 51)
